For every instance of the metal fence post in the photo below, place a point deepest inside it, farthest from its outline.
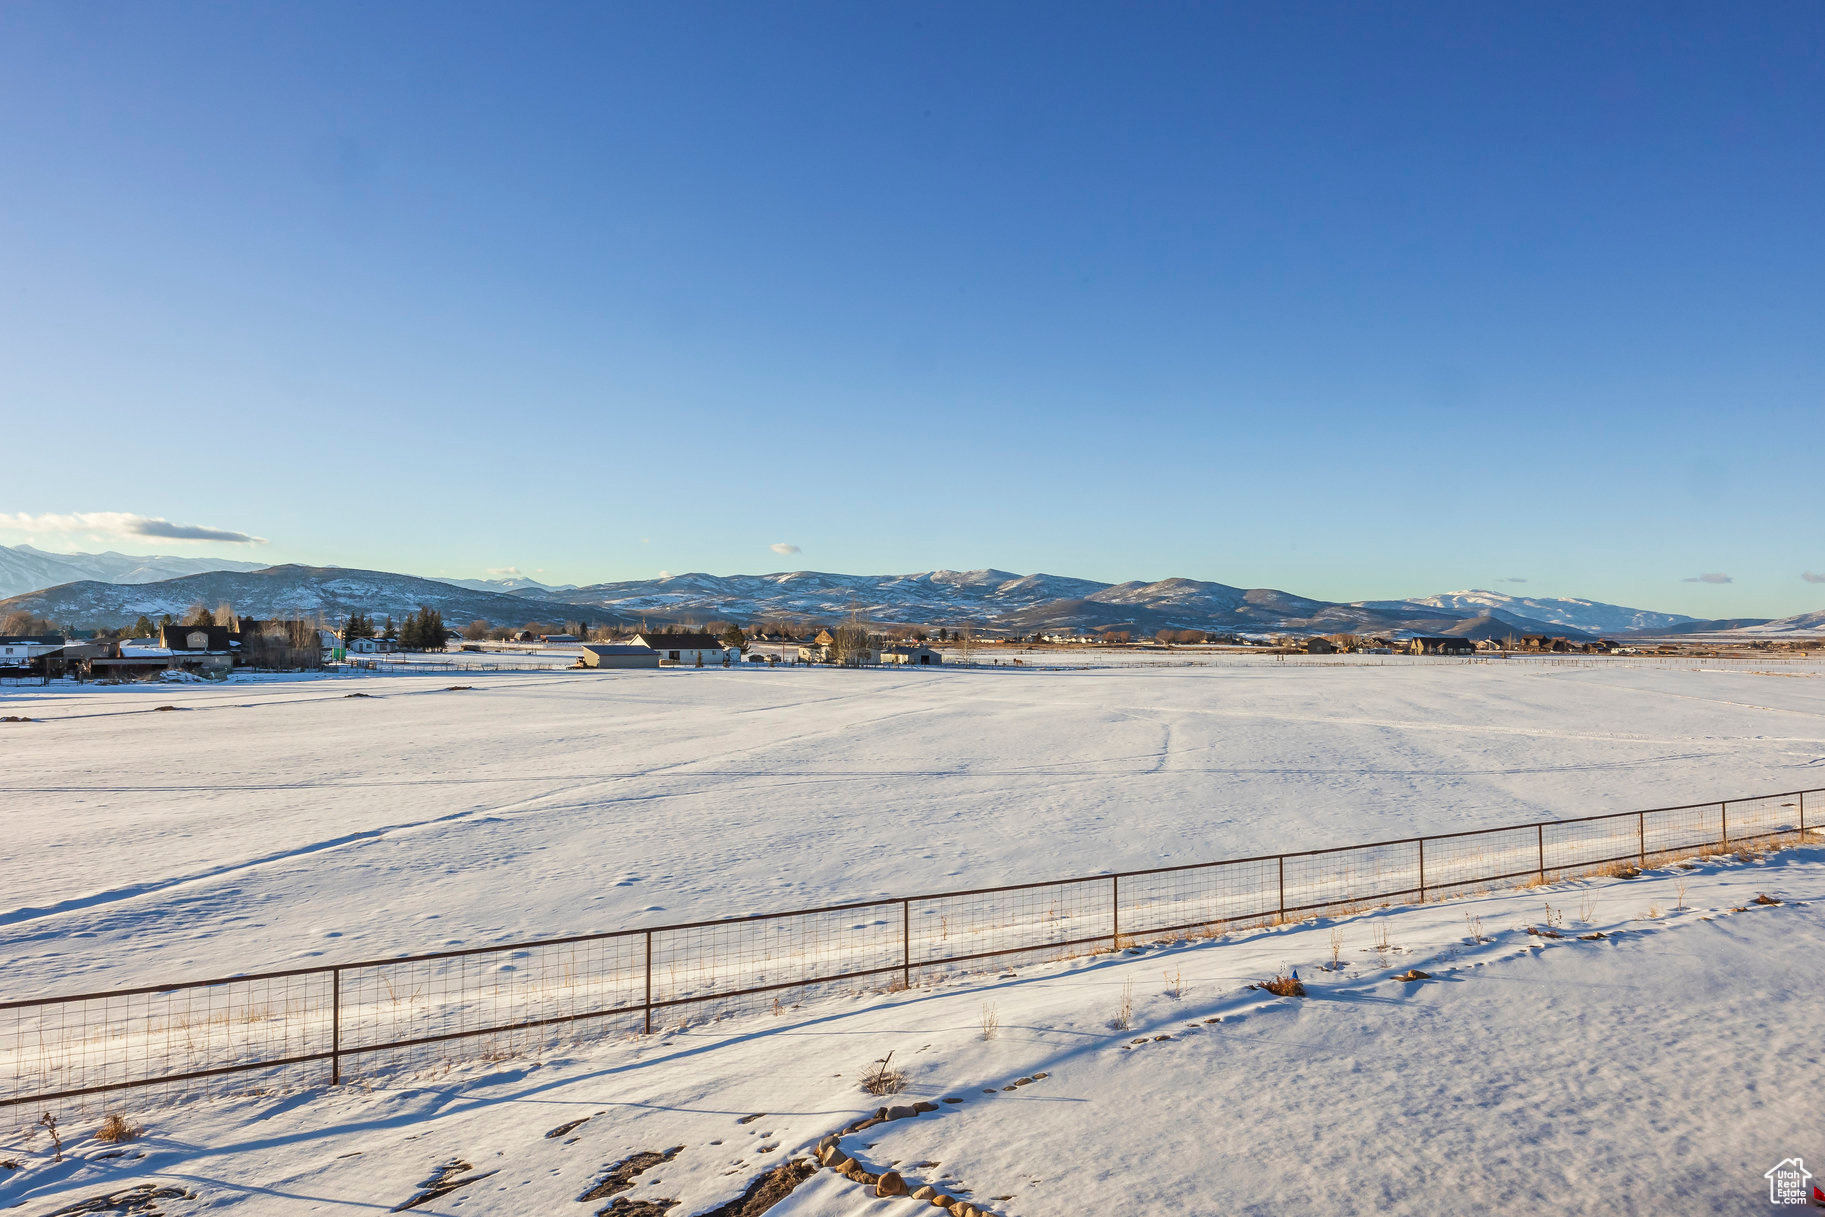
(1723, 813)
(1540, 834)
(1802, 816)
(336, 1027)
(1641, 835)
(1115, 911)
(1422, 870)
(1282, 861)
(906, 943)
(649, 982)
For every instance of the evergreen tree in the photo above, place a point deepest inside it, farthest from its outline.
(143, 628)
(733, 638)
(432, 634)
(390, 632)
(424, 630)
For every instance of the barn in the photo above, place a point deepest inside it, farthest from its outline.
(617, 655)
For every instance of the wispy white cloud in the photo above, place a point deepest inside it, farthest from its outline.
(117, 525)
(785, 547)
(1813, 576)
(1512, 579)
(1712, 577)
(501, 572)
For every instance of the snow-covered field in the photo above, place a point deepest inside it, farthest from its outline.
(1655, 1052)
(286, 822)
(1660, 1068)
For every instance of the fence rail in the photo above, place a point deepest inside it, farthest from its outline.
(410, 667)
(304, 1026)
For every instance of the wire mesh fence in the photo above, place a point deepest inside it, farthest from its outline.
(304, 1027)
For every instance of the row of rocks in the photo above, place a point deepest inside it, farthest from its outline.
(892, 1183)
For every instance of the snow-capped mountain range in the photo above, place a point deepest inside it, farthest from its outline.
(1008, 600)
(116, 588)
(24, 568)
(331, 592)
(1589, 616)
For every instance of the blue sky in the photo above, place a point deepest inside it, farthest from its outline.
(1358, 301)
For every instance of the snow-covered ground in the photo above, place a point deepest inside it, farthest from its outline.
(286, 822)
(1655, 1050)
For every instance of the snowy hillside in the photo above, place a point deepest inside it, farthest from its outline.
(1801, 625)
(930, 596)
(24, 568)
(1589, 616)
(276, 591)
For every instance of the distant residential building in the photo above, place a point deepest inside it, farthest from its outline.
(210, 639)
(558, 639)
(28, 652)
(372, 646)
(137, 659)
(1320, 646)
(618, 655)
(689, 650)
(823, 649)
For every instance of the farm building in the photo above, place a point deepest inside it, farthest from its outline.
(617, 655)
(690, 650)
(909, 654)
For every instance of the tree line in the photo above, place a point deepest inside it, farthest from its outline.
(423, 630)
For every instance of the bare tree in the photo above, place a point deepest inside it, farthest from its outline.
(290, 644)
(20, 622)
(849, 644)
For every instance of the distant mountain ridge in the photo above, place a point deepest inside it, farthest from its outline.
(990, 599)
(25, 568)
(275, 591)
(1589, 616)
(1005, 600)
(515, 584)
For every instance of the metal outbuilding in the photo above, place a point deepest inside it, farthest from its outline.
(613, 655)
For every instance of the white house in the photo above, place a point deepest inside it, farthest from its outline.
(372, 646)
(19, 650)
(689, 650)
